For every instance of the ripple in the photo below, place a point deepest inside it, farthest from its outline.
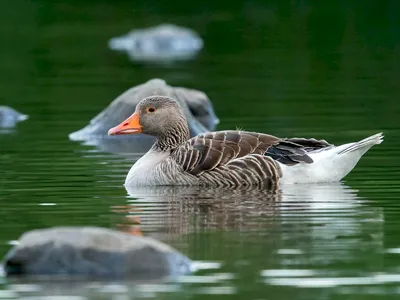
(205, 265)
(219, 290)
(287, 273)
(318, 282)
(214, 278)
(341, 239)
(393, 251)
(289, 251)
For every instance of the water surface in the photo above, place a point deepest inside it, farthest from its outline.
(287, 68)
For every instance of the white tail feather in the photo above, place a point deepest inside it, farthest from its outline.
(329, 165)
(367, 142)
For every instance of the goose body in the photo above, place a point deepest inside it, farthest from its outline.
(230, 158)
(208, 159)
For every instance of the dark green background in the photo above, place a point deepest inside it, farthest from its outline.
(323, 69)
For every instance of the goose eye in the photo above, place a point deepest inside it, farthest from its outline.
(151, 109)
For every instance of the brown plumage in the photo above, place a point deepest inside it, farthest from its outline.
(241, 157)
(223, 158)
(228, 158)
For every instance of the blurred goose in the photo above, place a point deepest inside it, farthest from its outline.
(230, 158)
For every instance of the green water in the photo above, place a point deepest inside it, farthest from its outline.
(289, 68)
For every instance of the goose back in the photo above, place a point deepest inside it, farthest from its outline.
(235, 158)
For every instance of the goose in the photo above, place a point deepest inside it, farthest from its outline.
(231, 157)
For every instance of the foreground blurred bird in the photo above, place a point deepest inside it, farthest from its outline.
(230, 158)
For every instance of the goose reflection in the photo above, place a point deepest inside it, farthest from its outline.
(331, 223)
(167, 211)
(323, 221)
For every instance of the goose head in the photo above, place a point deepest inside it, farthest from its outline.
(159, 116)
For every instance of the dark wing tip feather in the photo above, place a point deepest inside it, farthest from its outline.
(289, 153)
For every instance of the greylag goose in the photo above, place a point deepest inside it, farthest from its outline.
(230, 158)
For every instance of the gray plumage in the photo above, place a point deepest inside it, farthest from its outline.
(223, 158)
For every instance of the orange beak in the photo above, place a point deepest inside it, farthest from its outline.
(129, 126)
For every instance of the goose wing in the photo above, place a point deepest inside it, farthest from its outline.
(212, 150)
(291, 151)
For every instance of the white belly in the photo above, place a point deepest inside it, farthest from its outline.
(146, 170)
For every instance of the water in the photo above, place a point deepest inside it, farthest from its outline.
(287, 68)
